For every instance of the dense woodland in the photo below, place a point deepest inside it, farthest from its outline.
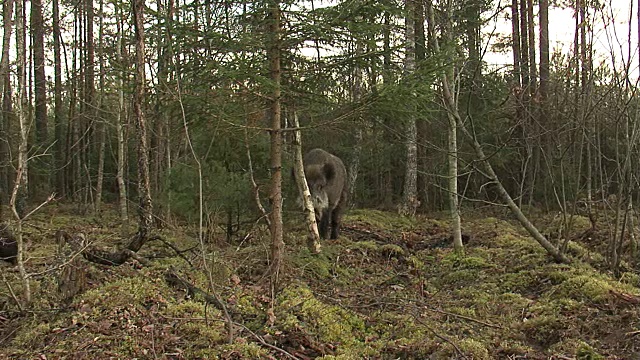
(186, 114)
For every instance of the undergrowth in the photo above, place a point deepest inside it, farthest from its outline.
(390, 287)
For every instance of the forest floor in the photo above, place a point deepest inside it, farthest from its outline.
(389, 288)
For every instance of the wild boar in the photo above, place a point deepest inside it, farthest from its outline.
(8, 245)
(327, 180)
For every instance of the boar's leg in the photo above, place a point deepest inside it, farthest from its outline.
(336, 218)
(323, 226)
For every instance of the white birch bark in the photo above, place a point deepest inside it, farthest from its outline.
(303, 189)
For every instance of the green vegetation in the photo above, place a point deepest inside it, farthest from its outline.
(383, 290)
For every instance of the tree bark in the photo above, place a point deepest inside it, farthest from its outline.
(22, 176)
(5, 93)
(410, 191)
(37, 33)
(18, 195)
(274, 43)
(451, 105)
(515, 39)
(303, 189)
(57, 103)
(101, 126)
(354, 165)
(145, 211)
(122, 188)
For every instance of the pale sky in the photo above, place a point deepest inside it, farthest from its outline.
(609, 42)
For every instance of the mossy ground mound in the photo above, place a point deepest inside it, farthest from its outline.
(389, 288)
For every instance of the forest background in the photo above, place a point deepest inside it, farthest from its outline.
(184, 113)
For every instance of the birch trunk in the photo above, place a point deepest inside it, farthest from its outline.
(122, 189)
(303, 189)
(17, 202)
(451, 105)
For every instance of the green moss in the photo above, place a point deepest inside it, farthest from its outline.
(187, 308)
(380, 219)
(585, 288)
(473, 349)
(318, 266)
(630, 278)
(31, 335)
(415, 263)
(365, 246)
(586, 352)
(391, 250)
(460, 277)
(298, 308)
(545, 330)
(473, 262)
(520, 281)
(130, 290)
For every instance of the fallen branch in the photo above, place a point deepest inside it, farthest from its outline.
(99, 256)
(174, 279)
(173, 247)
(462, 317)
(264, 343)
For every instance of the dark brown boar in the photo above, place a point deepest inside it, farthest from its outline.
(8, 245)
(327, 180)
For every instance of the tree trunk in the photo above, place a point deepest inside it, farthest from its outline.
(451, 106)
(303, 189)
(524, 44)
(122, 189)
(410, 192)
(145, 211)
(354, 165)
(101, 125)
(89, 103)
(515, 39)
(37, 33)
(544, 51)
(18, 195)
(22, 181)
(490, 173)
(57, 104)
(274, 43)
(5, 94)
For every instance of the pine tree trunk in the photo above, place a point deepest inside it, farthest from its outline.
(410, 191)
(101, 125)
(37, 33)
(89, 103)
(145, 211)
(5, 94)
(354, 164)
(57, 104)
(273, 55)
(515, 40)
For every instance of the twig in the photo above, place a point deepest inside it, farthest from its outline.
(175, 248)
(462, 317)
(49, 199)
(263, 342)
(174, 279)
(13, 295)
(441, 337)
